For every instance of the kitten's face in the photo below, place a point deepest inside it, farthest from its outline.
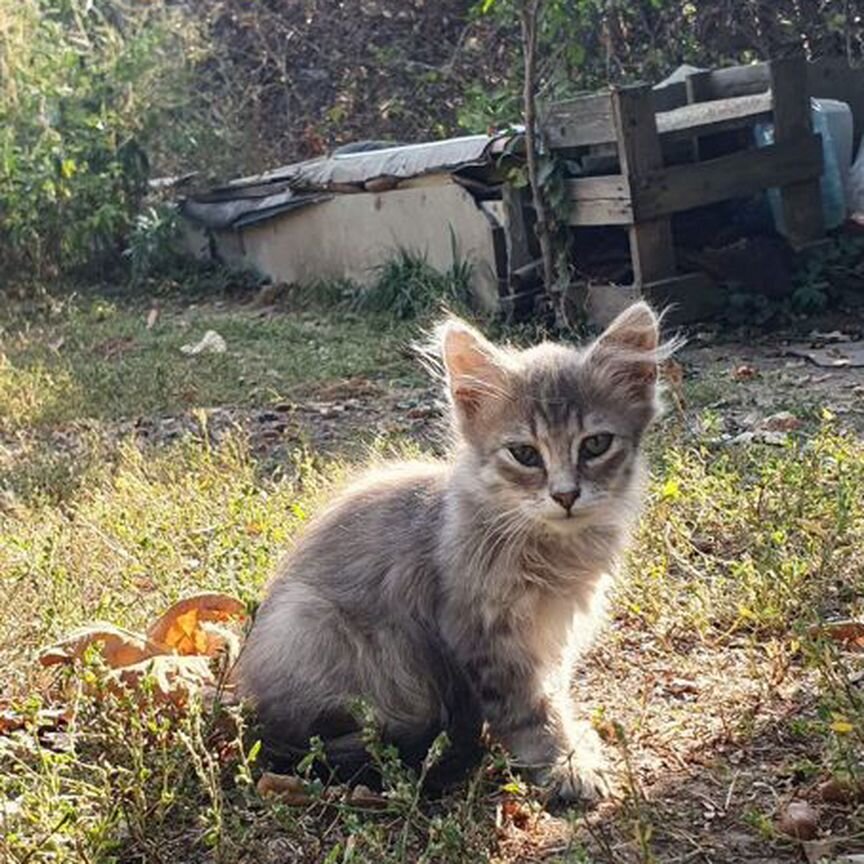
(554, 431)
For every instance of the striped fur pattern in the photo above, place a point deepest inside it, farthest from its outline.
(450, 594)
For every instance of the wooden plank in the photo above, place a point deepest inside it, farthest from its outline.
(600, 212)
(704, 118)
(579, 122)
(737, 81)
(738, 175)
(588, 121)
(515, 229)
(802, 200)
(639, 153)
(600, 201)
(671, 96)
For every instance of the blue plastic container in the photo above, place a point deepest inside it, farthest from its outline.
(832, 180)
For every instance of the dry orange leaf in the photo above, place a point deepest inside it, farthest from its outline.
(288, 788)
(119, 647)
(175, 678)
(363, 796)
(220, 640)
(849, 633)
(744, 373)
(179, 628)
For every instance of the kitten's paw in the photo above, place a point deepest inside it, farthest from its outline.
(571, 781)
(582, 774)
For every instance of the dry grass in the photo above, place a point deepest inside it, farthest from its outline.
(719, 704)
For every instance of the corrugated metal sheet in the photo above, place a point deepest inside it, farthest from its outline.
(225, 212)
(252, 199)
(400, 162)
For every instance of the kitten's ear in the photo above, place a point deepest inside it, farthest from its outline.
(630, 344)
(475, 367)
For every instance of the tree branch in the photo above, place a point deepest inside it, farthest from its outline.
(530, 15)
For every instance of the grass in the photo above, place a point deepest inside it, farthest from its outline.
(94, 358)
(710, 684)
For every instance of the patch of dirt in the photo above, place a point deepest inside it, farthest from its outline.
(746, 383)
(344, 415)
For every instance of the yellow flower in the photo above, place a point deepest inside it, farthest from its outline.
(841, 725)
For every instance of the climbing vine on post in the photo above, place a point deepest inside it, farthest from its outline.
(545, 174)
(529, 18)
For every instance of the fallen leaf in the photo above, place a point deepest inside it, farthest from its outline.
(744, 373)
(363, 796)
(783, 421)
(288, 788)
(119, 647)
(175, 679)
(799, 820)
(211, 343)
(179, 627)
(220, 640)
(46, 720)
(516, 813)
(848, 632)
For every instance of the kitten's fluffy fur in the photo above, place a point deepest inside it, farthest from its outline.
(450, 593)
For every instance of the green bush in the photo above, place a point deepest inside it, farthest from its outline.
(85, 86)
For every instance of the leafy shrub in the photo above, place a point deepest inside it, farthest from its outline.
(154, 241)
(86, 86)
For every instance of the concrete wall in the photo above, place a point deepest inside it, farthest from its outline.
(349, 235)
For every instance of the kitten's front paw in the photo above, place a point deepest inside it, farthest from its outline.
(572, 780)
(582, 774)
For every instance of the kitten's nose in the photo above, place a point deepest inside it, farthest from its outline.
(566, 499)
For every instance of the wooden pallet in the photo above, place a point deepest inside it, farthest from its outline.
(641, 128)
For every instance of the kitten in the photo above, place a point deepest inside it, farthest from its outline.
(446, 594)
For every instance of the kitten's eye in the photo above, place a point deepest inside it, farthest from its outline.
(526, 455)
(596, 445)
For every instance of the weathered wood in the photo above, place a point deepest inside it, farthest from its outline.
(639, 153)
(707, 118)
(698, 89)
(802, 200)
(682, 187)
(588, 121)
(516, 231)
(736, 81)
(579, 122)
(670, 96)
(600, 201)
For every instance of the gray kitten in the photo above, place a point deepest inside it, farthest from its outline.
(447, 594)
